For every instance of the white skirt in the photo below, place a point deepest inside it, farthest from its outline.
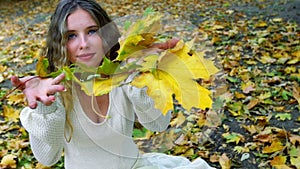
(164, 161)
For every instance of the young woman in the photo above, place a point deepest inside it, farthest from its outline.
(94, 132)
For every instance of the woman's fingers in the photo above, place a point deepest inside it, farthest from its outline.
(58, 79)
(15, 81)
(171, 43)
(32, 101)
(55, 88)
(39, 89)
(46, 100)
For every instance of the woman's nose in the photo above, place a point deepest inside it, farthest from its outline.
(83, 42)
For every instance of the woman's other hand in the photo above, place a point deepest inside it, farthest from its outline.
(166, 45)
(39, 89)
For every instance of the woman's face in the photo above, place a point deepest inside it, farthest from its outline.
(84, 44)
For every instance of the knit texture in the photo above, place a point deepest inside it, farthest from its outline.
(107, 145)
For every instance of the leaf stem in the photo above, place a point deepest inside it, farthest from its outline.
(17, 87)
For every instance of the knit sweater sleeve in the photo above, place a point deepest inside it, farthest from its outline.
(45, 126)
(147, 114)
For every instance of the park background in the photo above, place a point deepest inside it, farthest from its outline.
(255, 122)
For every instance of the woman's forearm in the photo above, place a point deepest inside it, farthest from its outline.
(45, 126)
(147, 114)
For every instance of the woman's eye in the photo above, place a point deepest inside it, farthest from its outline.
(71, 36)
(92, 31)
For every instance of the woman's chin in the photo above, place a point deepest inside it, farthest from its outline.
(88, 63)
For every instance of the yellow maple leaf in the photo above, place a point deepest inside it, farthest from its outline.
(139, 36)
(184, 75)
(275, 146)
(168, 73)
(10, 113)
(149, 64)
(135, 46)
(279, 162)
(129, 46)
(159, 89)
(16, 99)
(173, 76)
(247, 87)
(197, 64)
(3, 68)
(101, 86)
(151, 23)
(8, 161)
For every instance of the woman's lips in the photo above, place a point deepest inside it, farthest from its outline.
(86, 56)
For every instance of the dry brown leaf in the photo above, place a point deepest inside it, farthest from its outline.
(252, 103)
(8, 161)
(178, 120)
(279, 162)
(224, 161)
(296, 93)
(294, 139)
(274, 147)
(213, 119)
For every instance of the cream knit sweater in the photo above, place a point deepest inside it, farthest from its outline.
(105, 145)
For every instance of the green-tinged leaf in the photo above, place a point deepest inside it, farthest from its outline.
(285, 95)
(233, 137)
(135, 46)
(232, 79)
(139, 36)
(42, 66)
(294, 152)
(127, 25)
(283, 116)
(139, 133)
(108, 67)
(68, 73)
(149, 11)
(129, 47)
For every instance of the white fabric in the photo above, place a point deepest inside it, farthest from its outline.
(106, 145)
(163, 161)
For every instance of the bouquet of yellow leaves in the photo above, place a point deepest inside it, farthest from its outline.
(165, 73)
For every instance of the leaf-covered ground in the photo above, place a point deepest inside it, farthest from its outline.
(255, 122)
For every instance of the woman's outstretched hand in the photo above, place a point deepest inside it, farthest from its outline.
(39, 89)
(166, 45)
